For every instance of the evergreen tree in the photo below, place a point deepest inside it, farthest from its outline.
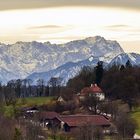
(122, 67)
(99, 72)
(128, 64)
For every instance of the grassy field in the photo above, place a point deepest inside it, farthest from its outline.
(31, 101)
(136, 116)
(9, 110)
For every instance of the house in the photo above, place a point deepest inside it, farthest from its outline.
(67, 123)
(30, 109)
(72, 122)
(60, 99)
(136, 137)
(93, 90)
(29, 112)
(48, 119)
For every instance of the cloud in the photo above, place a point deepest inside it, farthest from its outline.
(49, 29)
(123, 27)
(28, 4)
(46, 27)
(118, 27)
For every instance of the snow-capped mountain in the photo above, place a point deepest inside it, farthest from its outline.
(71, 69)
(66, 71)
(24, 58)
(121, 59)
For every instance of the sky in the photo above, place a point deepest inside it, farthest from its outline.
(60, 21)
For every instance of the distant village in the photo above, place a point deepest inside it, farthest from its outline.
(53, 120)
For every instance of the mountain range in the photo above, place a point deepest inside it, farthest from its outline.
(121, 59)
(37, 60)
(71, 69)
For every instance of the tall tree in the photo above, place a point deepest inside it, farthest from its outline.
(92, 103)
(24, 88)
(84, 78)
(99, 72)
(126, 125)
(122, 67)
(128, 64)
(54, 85)
(2, 100)
(40, 87)
(18, 84)
(9, 93)
(29, 81)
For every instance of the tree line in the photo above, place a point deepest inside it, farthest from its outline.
(117, 82)
(24, 88)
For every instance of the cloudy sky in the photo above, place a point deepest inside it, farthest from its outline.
(60, 21)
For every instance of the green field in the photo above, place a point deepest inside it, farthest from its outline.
(9, 110)
(136, 116)
(31, 101)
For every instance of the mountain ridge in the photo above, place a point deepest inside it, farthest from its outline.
(25, 58)
(71, 69)
(121, 59)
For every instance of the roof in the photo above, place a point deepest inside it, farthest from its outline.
(28, 108)
(92, 89)
(48, 115)
(80, 120)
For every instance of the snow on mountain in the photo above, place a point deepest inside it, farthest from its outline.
(24, 58)
(121, 59)
(71, 69)
(66, 71)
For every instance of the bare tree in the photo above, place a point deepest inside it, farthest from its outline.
(67, 93)
(2, 99)
(29, 81)
(110, 107)
(24, 88)
(9, 94)
(40, 87)
(90, 132)
(126, 125)
(92, 103)
(34, 132)
(54, 84)
(18, 84)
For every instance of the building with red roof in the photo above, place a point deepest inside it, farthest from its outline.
(49, 119)
(93, 90)
(71, 122)
(76, 121)
(81, 120)
(52, 120)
